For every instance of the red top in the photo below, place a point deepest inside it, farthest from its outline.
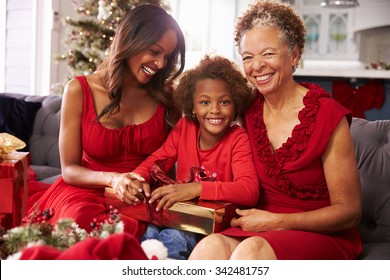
(117, 149)
(294, 172)
(230, 160)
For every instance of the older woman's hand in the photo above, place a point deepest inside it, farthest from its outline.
(256, 220)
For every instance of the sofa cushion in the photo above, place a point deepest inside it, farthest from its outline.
(46, 173)
(43, 142)
(17, 117)
(44, 138)
(372, 147)
(375, 251)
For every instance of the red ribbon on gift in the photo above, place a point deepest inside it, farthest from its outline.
(14, 186)
(160, 179)
(195, 174)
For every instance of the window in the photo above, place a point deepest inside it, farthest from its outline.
(207, 25)
(3, 13)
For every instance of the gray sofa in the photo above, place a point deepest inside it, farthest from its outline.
(43, 142)
(372, 147)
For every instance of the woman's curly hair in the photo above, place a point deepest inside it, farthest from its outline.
(273, 14)
(214, 67)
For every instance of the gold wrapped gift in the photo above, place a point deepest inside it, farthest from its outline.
(199, 216)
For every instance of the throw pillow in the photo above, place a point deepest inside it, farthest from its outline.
(17, 117)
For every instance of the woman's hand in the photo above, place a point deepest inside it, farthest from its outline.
(256, 220)
(170, 194)
(130, 187)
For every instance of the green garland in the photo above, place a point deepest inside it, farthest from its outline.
(66, 233)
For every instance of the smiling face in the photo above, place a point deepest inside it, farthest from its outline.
(147, 62)
(214, 110)
(267, 60)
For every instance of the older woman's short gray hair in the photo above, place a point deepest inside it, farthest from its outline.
(277, 15)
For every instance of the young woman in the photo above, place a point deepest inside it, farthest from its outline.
(113, 119)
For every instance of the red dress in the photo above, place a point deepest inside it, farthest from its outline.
(118, 150)
(292, 178)
(230, 162)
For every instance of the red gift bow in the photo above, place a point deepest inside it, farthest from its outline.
(160, 178)
(195, 174)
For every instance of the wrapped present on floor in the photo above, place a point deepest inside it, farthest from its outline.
(13, 181)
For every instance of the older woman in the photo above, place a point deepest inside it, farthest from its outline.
(310, 202)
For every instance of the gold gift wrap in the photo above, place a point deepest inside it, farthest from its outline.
(199, 216)
(204, 217)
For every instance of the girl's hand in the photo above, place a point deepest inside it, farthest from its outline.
(255, 220)
(138, 184)
(129, 187)
(170, 194)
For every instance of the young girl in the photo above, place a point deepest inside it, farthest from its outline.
(212, 97)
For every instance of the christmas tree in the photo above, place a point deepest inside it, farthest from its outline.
(91, 32)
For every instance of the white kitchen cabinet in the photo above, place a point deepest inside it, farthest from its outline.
(345, 41)
(330, 33)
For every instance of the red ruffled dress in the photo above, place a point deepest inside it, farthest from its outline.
(292, 178)
(119, 150)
